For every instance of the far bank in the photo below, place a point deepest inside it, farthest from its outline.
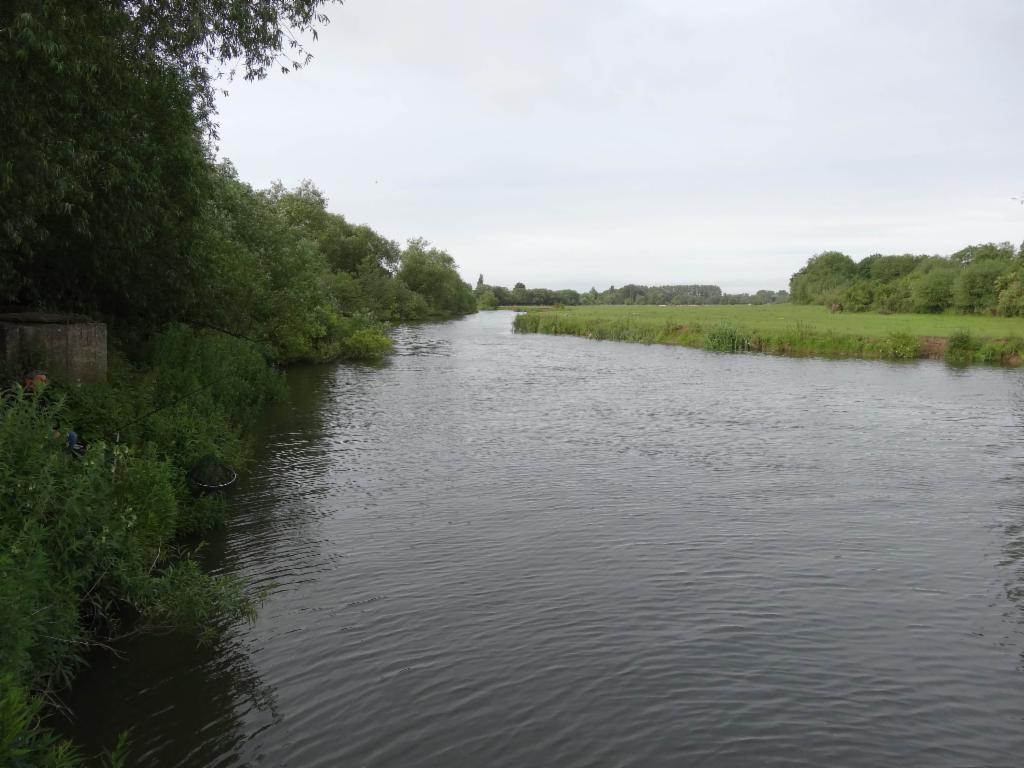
(787, 329)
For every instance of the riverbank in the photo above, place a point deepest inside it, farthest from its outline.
(788, 329)
(98, 543)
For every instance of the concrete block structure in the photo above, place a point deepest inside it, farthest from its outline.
(66, 348)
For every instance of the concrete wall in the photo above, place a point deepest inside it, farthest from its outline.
(71, 351)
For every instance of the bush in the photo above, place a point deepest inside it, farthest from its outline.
(23, 742)
(366, 345)
(86, 542)
(901, 346)
(961, 347)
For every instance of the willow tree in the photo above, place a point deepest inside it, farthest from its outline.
(108, 119)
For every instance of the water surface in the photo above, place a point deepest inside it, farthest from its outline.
(506, 550)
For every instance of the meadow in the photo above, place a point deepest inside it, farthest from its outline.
(789, 329)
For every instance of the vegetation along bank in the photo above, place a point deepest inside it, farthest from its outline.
(113, 208)
(964, 308)
(787, 329)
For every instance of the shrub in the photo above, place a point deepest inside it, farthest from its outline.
(86, 541)
(365, 344)
(23, 742)
(961, 347)
(901, 346)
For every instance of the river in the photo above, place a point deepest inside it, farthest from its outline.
(519, 550)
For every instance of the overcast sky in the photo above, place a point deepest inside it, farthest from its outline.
(569, 143)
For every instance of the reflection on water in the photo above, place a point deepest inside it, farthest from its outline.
(506, 550)
(185, 705)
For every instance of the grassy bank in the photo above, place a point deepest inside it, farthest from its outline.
(787, 329)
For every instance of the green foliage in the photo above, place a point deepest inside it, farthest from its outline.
(102, 167)
(893, 297)
(86, 543)
(110, 205)
(961, 347)
(486, 299)
(858, 297)
(984, 252)
(974, 289)
(790, 330)
(726, 338)
(932, 287)
(826, 273)
(346, 247)
(23, 741)
(192, 394)
(970, 281)
(431, 273)
(629, 295)
(274, 276)
(885, 269)
(365, 344)
(901, 346)
(264, 281)
(1010, 287)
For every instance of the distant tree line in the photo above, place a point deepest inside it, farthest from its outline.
(978, 279)
(492, 296)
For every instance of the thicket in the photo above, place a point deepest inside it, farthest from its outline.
(493, 296)
(111, 205)
(979, 279)
(90, 545)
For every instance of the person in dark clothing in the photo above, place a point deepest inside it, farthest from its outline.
(75, 444)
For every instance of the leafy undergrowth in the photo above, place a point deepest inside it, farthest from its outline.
(90, 545)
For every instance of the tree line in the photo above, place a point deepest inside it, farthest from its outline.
(979, 279)
(493, 296)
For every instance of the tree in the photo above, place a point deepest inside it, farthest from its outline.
(486, 299)
(974, 289)
(822, 277)
(345, 246)
(265, 278)
(1011, 294)
(106, 105)
(431, 273)
(983, 252)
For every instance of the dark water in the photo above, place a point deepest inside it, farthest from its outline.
(536, 551)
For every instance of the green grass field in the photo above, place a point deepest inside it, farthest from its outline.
(793, 330)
